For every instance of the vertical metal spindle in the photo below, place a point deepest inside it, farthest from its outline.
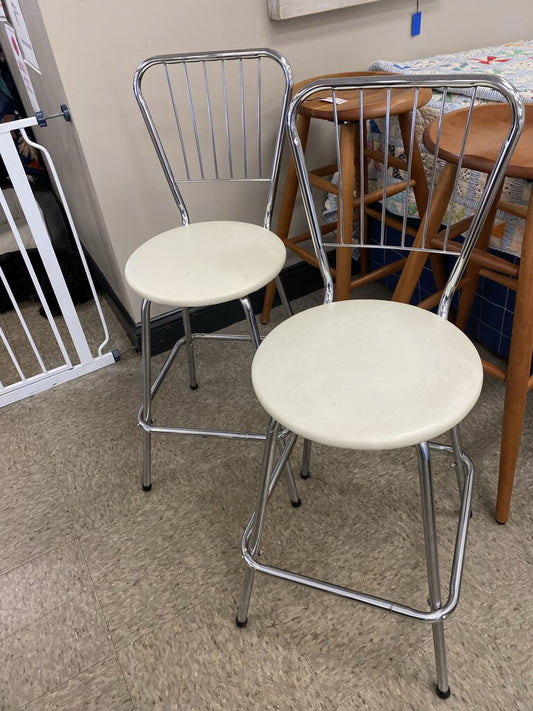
(362, 174)
(243, 119)
(453, 197)
(210, 119)
(433, 179)
(259, 97)
(193, 120)
(385, 168)
(340, 199)
(226, 116)
(412, 139)
(178, 122)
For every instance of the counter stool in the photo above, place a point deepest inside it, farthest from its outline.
(488, 124)
(374, 106)
(372, 374)
(226, 112)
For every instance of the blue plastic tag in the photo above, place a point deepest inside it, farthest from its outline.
(416, 22)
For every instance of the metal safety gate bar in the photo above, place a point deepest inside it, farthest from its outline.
(43, 377)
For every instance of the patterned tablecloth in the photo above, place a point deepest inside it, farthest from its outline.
(514, 61)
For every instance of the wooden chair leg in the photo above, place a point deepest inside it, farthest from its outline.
(268, 300)
(420, 188)
(471, 278)
(416, 260)
(518, 369)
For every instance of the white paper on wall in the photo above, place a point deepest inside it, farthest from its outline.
(19, 25)
(21, 64)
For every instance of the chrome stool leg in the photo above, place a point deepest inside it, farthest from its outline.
(283, 296)
(458, 459)
(256, 341)
(430, 539)
(252, 323)
(306, 459)
(289, 477)
(146, 355)
(256, 524)
(189, 346)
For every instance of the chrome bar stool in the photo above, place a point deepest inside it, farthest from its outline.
(213, 117)
(404, 375)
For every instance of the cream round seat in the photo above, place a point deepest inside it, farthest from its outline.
(407, 375)
(205, 263)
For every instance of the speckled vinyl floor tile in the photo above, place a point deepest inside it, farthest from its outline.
(114, 599)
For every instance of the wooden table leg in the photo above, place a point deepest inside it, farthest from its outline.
(518, 368)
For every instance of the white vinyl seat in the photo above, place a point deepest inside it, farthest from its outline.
(369, 374)
(205, 263)
(431, 397)
(213, 118)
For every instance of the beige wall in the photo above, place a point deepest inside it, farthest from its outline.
(97, 44)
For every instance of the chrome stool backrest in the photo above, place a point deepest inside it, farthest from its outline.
(465, 211)
(206, 114)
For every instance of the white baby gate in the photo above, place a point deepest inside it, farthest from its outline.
(24, 376)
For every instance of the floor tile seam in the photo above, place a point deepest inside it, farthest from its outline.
(29, 467)
(113, 436)
(63, 683)
(503, 585)
(381, 675)
(298, 657)
(122, 672)
(66, 502)
(130, 640)
(38, 620)
(301, 658)
(33, 559)
(143, 511)
(97, 598)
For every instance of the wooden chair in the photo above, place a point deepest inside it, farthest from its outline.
(488, 123)
(374, 107)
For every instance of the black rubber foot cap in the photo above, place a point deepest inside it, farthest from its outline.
(443, 694)
(305, 476)
(295, 504)
(241, 624)
(500, 523)
(147, 488)
(193, 387)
